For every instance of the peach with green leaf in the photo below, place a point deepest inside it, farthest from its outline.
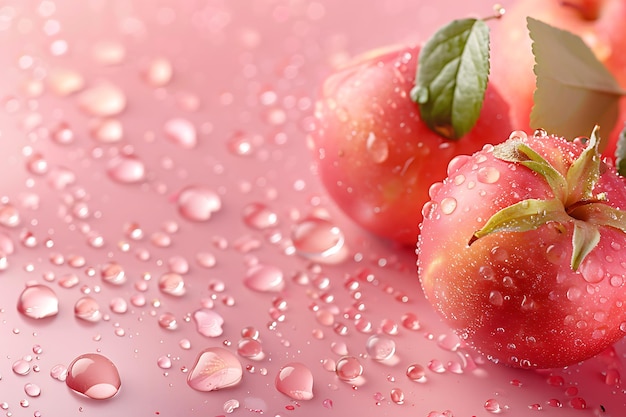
(389, 122)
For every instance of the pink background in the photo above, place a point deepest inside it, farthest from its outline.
(253, 68)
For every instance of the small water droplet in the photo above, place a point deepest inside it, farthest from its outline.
(9, 215)
(107, 130)
(65, 81)
(164, 362)
(126, 169)
(380, 348)
(259, 216)
(397, 396)
(208, 322)
(59, 372)
(173, 284)
(159, 72)
(103, 99)
(377, 148)
(181, 132)
(21, 367)
(265, 278)
(87, 308)
(448, 205)
(230, 406)
(348, 368)
(496, 298)
(296, 381)
(108, 52)
(215, 368)
(94, 376)
(320, 240)
(38, 301)
(493, 406)
(488, 175)
(198, 203)
(416, 373)
(32, 390)
(250, 348)
(168, 321)
(113, 273)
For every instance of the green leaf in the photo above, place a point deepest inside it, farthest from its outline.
(574, 91)
(452, 77)
(523, 216)
(620, 153)
(600, 214)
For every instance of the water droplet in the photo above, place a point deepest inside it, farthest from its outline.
(168, 321)
(103, 99)
(493, 406)
(377, 148)
(265, 278)
(397, 395)
(87, 308)
(448, 205)
(159, 72)
(59, 372)
(21, 367)
(319, 240)
(215, 368)
(108, 52)
(208, 322)
(410, 321)
(172, 284)
(416, 373)
(496, 298)
(259, 216)
(250, 348)
(32, 390)
(9, 215)
(107, 130)
(348, 368)
(181, 132)
(230, 406)
(164, 362)
(94, 376)
(126, 169)
(573, 293)
(38, 301)
(113, 273)
(295, 380)
(64, 81)
(198, 203)
(488, 175)
(380, 348)
(578, 403)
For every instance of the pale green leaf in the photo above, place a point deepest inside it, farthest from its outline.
(452, 77)
(586, 237)
(584, 173)
(574, 91)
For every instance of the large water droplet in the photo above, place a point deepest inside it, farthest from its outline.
(181, 132)
(265, 278)
(113, 273)
(94, 376)
(38, 301)
(215, 368)
(103, 99)
(126, 169)
(64, 81)
(448, 205)
(198, 203)
(107, 130)
(319, 240)
(208, 322)
(296, 381)
(380, 348)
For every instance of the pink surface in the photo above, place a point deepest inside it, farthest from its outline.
(256, 260)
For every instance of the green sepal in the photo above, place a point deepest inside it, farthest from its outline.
(584, 173)
(600, 214)
(521, 153)
(586, 237)
(523, 216)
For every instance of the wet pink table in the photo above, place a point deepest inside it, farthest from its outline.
(158, 201)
